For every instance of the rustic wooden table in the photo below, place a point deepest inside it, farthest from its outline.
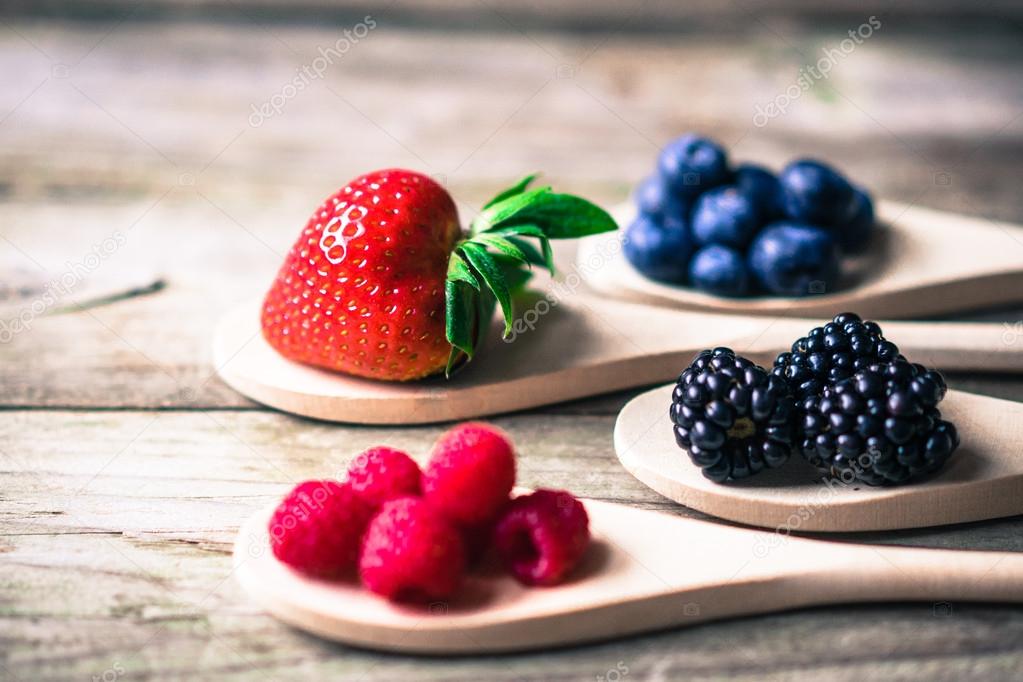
(145, 189)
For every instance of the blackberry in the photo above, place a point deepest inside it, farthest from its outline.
(733, 417)
(880, 426)
(833, 352)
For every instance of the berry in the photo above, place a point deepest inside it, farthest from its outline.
(856, 233)
(381, 474)
(411, 553)
(732, 416)
(655, 199)
(659, 250)
(833, 352)
(362, 290)
(542, 536)
(382, 283)
(788, 259)
(317, 527)
(470, 474)
(719, 270)
(762, 188)
(880, 426)
(726, 216)
(692, 164)
(814, 192)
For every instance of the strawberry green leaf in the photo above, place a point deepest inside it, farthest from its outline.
(548, 254)
(459, 271)
(564, 216)
(503, 245)
(517, 188)
(487, 267)
(460, 300)
(559, 216)
(533, 255)
(490, 271)
(503, 211)
(519, 229)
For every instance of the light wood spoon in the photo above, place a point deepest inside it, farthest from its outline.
(982, 480)
(922, 262)
(570, 346)
(644, 571)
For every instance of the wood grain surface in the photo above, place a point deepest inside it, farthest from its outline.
(126, 466)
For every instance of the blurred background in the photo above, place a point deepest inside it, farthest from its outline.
(184, 143)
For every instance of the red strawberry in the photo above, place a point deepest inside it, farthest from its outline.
(382, 284)
(362, 290)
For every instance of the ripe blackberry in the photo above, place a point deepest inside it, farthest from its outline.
(880, 426)
(833, 352)
(733, 417)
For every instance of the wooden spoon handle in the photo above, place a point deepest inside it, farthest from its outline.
(883, 573)
(984, 346)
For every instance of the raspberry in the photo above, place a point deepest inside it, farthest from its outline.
(382, 473)
(471, 473)
(411, 553)
(317, 528)
(542, 536)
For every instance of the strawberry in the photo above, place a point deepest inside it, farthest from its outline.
(383, 284)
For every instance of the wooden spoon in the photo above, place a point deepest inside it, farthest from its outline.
(921, 262)
(982, 480)
(673, 572)
(570, 346)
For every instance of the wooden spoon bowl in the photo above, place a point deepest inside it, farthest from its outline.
(921, 263)
(982, 480)
(567, 345)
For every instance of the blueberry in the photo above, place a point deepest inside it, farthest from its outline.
(692, 164)
(659, 250)
(859, 228)
(655, 199)
(815, 193)
(724, 215)
(719, 270)
(794, 260)
(763, 189)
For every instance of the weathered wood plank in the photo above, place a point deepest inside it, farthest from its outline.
(589, 110)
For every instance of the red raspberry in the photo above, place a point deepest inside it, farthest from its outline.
(317, 527)
(381, 474)
(471, 473)
(542, 536)
(411, 553)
